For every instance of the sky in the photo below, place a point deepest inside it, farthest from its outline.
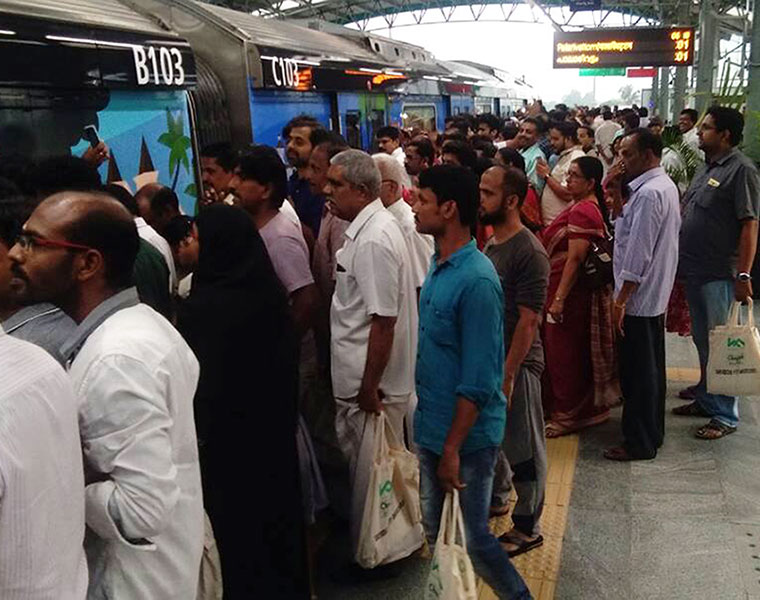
(523, 49)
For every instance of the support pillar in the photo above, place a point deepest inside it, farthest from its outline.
(682, 73)
(656, 92)
(707, 57)
(752, 114)
(664, 96)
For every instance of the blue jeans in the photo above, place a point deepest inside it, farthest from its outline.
(489, 559)
(709, 304)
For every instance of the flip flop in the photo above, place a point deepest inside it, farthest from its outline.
(523, 546)
(719, 430)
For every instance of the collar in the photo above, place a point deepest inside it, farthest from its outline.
(365, 214)
(569, 150)
(140, 222)
(124, 299)
(397, 151)
(644, 177)
(724, 158)
(536, 146)
(458, 257)
(28, 314)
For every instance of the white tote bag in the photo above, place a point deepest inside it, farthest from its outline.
(734, 365)
(391, 527)
(451, 574)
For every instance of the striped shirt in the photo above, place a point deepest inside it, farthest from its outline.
(41, 479)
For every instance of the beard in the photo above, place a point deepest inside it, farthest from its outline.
(492, 218)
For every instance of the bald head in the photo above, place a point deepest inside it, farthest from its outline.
(99, 222)
(144, 198)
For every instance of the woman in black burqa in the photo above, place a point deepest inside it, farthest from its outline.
(237, 322)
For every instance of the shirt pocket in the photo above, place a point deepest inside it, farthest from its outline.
(709, 197)
(442, 324)
(345, 288)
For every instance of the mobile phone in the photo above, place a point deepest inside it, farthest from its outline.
(91, 135)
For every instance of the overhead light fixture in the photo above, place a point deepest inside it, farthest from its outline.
(61, 38)
(7, 32)
(375, 71)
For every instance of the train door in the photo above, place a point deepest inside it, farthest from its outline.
(361, 115)
(375, 114)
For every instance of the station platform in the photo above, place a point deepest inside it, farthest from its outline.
(683, 526)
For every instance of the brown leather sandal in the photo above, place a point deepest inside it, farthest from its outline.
(714, 430)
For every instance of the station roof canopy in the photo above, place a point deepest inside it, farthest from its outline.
(353, 11)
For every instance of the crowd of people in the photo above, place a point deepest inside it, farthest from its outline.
(179, 385)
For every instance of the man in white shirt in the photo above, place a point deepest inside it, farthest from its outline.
(389, 142)
(144, 200)
(217, 166)
(604, 134)
(135, 378)
(373, 317)
(41, 495)
(687, 124)
(260, 187)
(556, 197)
(419, 245)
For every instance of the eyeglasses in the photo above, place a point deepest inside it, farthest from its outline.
(28, 242)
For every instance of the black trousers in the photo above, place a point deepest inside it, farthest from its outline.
(642, 379)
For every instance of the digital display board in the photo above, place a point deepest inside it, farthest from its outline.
(633, 47)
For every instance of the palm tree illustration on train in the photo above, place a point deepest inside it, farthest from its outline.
(178, 143)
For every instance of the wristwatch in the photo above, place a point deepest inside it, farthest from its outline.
(744, 277)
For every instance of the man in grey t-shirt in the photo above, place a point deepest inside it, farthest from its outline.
(717, 247)
(523, 268)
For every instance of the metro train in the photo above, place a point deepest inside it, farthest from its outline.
(160, 78)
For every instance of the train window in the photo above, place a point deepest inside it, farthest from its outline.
(397, 52)
(353, 129)
(419, 116)
(482, 107)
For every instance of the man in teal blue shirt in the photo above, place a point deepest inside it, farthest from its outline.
(528, 137)
(461, 411)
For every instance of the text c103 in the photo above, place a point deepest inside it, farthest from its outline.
(284, 72)
(158, 66)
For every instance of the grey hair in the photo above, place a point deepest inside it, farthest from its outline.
(359, 169)
(392, 170)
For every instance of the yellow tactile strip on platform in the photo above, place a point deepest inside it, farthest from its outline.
(540, 567)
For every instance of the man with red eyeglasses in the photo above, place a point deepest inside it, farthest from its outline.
(42, 323)
(136, 379)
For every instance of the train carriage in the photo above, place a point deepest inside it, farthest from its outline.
(98, 63)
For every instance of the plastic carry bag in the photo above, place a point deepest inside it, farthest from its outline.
(734, 365)
(451, 574)
(391, 527)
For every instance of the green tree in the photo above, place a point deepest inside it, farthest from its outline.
(178, 143)
(627, 94)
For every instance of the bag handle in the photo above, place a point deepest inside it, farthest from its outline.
(445, 518)
(452, 522)
(459, 526)
(734, 314)
(381, 442)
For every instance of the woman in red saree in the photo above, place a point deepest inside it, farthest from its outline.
(580, 381)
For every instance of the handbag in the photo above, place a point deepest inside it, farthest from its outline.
(451, 574)
(391, 527)
(733, 368)
(596, 270)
